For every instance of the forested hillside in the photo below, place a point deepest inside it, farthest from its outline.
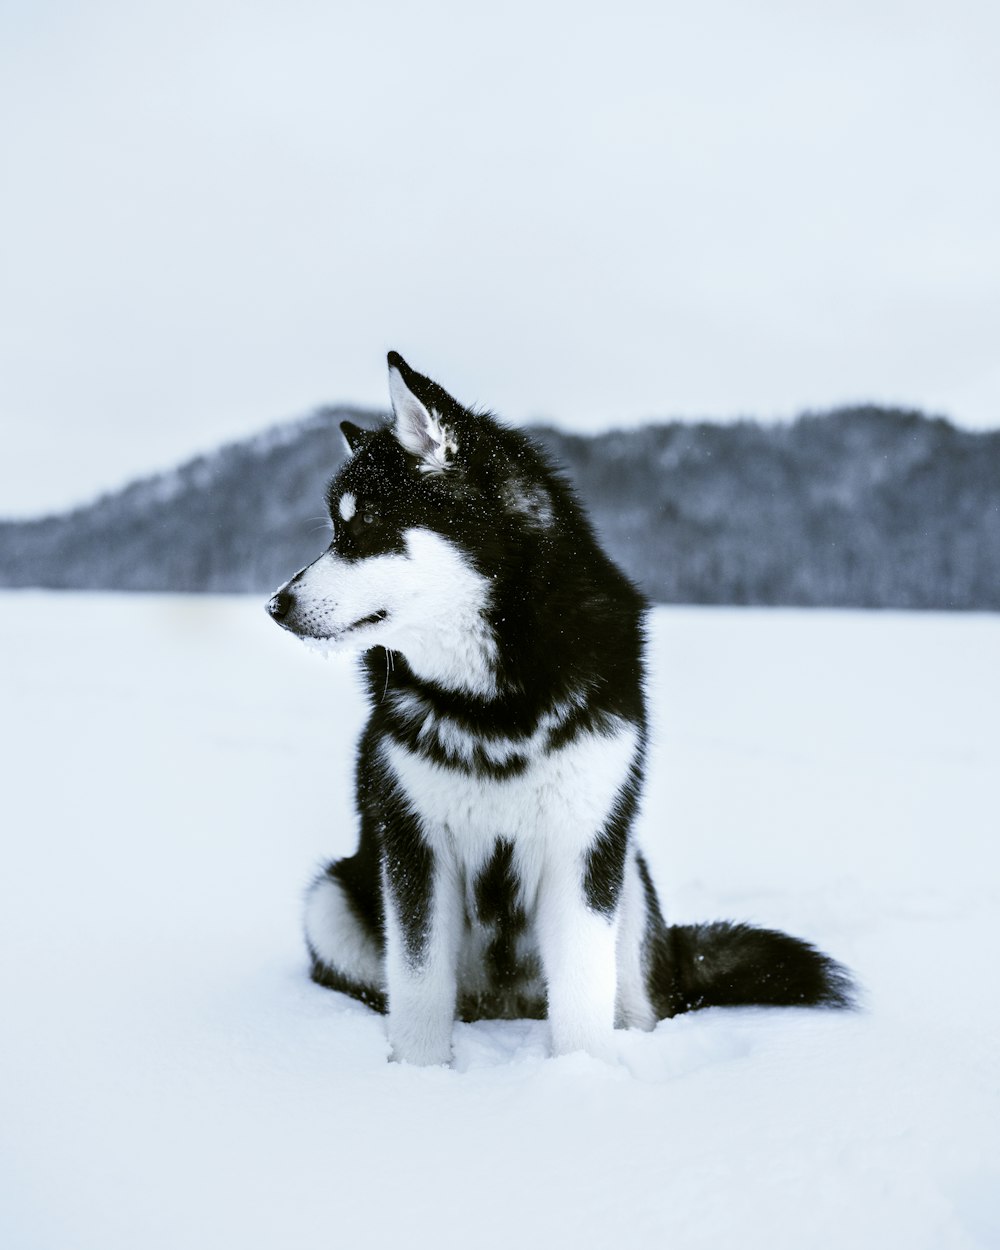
(858, 507)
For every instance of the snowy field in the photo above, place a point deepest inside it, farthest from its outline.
(175, 769)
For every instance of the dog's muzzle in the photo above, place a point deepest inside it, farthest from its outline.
(281, 606)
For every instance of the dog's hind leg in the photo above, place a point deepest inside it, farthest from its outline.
(344, 937)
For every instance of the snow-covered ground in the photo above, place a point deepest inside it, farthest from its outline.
(176, 768)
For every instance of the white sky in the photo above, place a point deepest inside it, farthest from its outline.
(217, 215)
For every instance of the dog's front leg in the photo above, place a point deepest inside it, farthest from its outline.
(423, 920)
(577, 944)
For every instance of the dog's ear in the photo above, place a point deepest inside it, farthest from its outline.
(353, 434)
(418, 427)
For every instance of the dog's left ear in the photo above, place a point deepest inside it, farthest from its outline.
(418, 428)
(353, 434)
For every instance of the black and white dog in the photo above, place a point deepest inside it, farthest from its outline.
(497, 873)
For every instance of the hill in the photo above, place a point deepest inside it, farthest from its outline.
(859, 507)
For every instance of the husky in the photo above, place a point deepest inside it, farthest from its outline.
(497, 873)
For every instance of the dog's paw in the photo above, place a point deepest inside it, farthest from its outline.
(597, 1043)
(421, 1050)
(421, 1059)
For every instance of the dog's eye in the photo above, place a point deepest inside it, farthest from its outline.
(368, 518)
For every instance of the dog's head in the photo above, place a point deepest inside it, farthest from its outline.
(427, 513)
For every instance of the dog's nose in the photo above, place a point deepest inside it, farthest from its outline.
(280, 604)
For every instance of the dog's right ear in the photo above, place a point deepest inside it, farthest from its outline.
(353, 434)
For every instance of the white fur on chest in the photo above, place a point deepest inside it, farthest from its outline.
(555, 807)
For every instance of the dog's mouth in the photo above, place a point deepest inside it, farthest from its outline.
(328, 640)
(372, 618)
(324, 642)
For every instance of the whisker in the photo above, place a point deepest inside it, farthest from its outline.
(389, 663)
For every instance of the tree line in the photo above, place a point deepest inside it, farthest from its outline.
(859, 507)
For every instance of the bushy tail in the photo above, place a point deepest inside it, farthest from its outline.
(731, 965)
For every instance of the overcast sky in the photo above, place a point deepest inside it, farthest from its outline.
(219, 215)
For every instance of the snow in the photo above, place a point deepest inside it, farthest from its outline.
(177, 768)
